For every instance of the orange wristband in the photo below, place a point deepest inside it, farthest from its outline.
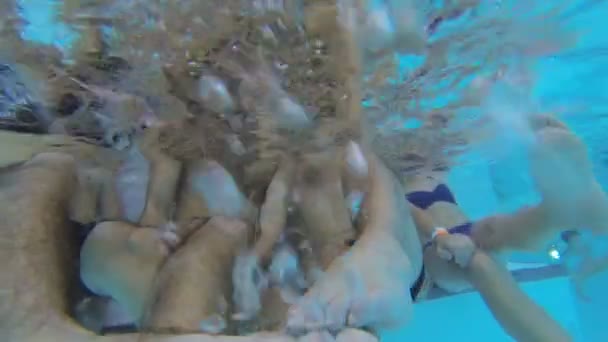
(438, 232)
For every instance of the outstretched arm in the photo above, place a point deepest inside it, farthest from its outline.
(519, 316)
(525, 229)
(451, 261)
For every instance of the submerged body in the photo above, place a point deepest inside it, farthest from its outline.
(463, 253)
(176, 277)
(364, 287)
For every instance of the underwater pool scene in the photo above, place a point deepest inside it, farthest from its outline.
(303, 170)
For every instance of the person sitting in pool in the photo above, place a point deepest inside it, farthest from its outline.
(559, 159)
(559, 164)
(454, 263)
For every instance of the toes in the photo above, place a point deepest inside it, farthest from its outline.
(355, 335)
(317, 336)
(326, 308)
(359, 314)
(215, 324)
(559, 141)
(284, 265)
(305, 316)
(169, 236)
(337, 311)
(327, 304)
(221, 192)
(249, 281)
(381, 309)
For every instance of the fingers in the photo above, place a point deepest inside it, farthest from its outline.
(304, 316)
(457, 248)
(444, 253)
(463, 250)
(355, 335)
(273, 214)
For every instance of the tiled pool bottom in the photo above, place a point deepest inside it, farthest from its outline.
(464, 317)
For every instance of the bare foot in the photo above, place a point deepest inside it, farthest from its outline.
(120, 261)
(192, 289)
(283, 277)
(562, 172)
(248, 277)
(367, 286)
(320, 200)
(559, 162)
(210, 190)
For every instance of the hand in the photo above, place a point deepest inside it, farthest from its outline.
(458, 248)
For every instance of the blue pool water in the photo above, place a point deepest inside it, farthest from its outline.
(573, 83)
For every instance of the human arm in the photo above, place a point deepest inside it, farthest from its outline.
(519, 316)
(525, 230)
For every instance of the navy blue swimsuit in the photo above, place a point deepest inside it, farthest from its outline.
(441, 193)
(423, 200)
